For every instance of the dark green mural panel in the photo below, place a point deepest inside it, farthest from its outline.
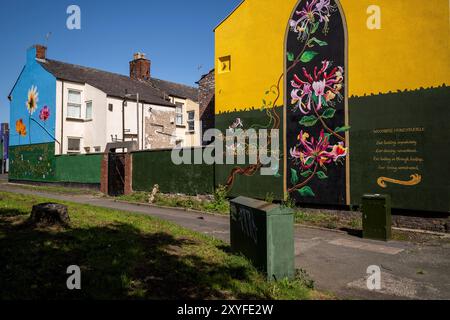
(255, 185)
(156, 167)
(34, 162)
(400, 146)
(79, 168)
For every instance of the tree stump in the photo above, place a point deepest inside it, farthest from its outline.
(50, 214)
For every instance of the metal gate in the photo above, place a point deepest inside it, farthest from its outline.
(116, 174)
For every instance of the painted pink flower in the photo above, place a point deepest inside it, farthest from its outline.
(44, 114)
(310, 152)
(317, 87)
(314, 12)
(339, 151)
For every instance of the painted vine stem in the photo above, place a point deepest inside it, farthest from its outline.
(252, 169)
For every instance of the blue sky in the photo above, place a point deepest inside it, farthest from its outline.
(176, 35)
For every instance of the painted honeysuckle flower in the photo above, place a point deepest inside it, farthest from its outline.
(21, 129)
(301, 91)
(339, 151)
(316, 87)
(319, 91)
(33, 98)
(313, 12)
(44, 114)
(310, 152)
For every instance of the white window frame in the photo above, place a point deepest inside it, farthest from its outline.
(74, 151)
(179, 114)
(191, 121)
(92, 110)
(73, 104)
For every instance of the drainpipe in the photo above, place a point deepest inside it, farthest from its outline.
(137, 117)
(124, 103)
(62, 121)
(142, 134)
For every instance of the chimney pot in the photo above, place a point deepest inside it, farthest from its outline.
(40, 51)
(140, 67)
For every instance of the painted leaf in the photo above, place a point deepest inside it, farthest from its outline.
(306, 174)
(307, 56)
(308, 121)
(290, 56)
(294, 176)
(321, 175)
(319, 42)
(309, 162)
(306, 192)
(315, 27)
(342, 129)
(328, 113)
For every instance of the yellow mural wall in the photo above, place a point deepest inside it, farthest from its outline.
(408, 52)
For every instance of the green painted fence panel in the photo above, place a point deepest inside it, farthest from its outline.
(79, 168)
(156, 167)
(399, 147)
(35, 162)
(255, 185)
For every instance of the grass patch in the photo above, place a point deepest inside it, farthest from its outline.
(218, 204)
(124, 256)
(58, 189)
(317, 219)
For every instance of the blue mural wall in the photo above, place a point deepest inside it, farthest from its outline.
(33, 99)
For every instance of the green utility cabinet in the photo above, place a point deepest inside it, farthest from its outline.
(264, 233)
(377, 220)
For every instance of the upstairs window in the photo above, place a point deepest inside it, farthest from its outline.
(191, 121)
(179, 113)
(89, 110)
(74, 104)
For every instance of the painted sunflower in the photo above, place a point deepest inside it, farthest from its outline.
(21, 129)
(33, 98)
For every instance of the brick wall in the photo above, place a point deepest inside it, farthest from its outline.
(104, 175)
(206, 98)
(128, 188)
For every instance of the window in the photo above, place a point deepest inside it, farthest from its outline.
(74, 105)
(224, 64)
(73, 145)
(110, 107)
(191, 121)
(89, 110)
(179, 113)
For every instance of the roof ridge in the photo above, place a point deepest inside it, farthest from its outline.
(92, 69)
(122, 75)
(177, 83)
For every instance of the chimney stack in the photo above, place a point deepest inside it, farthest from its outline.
(40, 51)
(140, 67)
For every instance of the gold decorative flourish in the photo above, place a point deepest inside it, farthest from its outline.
(415, 180)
